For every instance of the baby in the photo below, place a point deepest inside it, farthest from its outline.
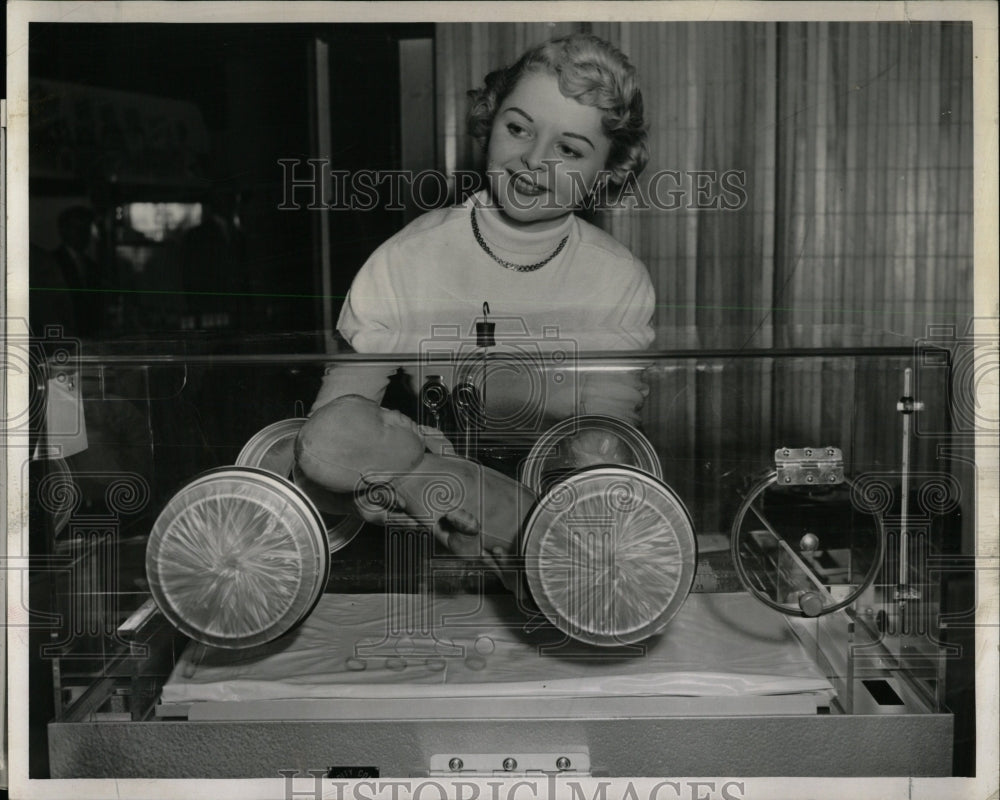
(351, 448)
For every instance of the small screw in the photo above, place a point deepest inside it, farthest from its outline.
(809, 478)
(562, 763)
(785, 452)
(509, 764)
(829, 452)
(455, 764)
(809, 452)
(833, 479)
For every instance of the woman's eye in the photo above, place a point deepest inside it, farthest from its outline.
(569, 152)
(516, 130)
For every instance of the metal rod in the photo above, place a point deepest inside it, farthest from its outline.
(90, 701)
(904, 489)
(810, 576)
(486, 357)
(138, 620)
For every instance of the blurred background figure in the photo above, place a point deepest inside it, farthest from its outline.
(215, 264)
(79, 272)
(52, 300)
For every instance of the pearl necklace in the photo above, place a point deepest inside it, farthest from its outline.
(508, 264)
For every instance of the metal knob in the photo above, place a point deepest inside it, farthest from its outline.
(470, 404)
(811, 604)
(434, 394)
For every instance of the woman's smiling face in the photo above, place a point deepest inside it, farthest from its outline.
(545, 153)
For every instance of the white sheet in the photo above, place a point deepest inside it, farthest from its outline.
(719, 645)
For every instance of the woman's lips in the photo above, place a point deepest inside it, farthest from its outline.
(526, 186)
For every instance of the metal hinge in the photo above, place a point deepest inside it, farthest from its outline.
(809, 466)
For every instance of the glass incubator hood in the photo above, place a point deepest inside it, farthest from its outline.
(746, 560)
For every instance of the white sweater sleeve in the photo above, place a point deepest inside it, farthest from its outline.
(626, 323)
(635, 314)
(626, 327)
(370, 323)
(370, 319)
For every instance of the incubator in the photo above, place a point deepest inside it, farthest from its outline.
(752, 575)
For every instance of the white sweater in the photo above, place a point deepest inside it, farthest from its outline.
(424, 289)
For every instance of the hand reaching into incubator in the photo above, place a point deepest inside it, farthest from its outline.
(614, 394)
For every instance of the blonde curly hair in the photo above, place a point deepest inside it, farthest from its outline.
(592, 72)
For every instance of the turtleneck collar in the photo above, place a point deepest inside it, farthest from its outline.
(513, 241)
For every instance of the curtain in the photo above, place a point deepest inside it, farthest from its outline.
(853, 146)
(875, 163)
(852, 143)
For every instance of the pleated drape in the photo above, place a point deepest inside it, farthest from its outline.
(853, 146)
(875, 158)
